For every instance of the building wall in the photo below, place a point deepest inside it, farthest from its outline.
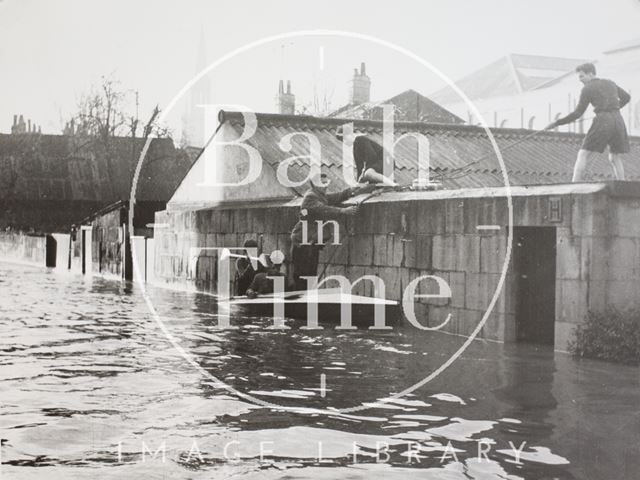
(597, 253)
(22, 248)
(107, 239)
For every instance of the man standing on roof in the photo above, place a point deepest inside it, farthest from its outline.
(368, 156)
(317, 205)
(608, 126)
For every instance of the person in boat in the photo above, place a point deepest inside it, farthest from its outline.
(368, 156)
(261, 284)
(607, 129)
(245, 272)
(317, 204)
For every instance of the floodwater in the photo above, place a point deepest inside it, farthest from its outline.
(92, 387)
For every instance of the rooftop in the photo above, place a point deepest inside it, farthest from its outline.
(462, 156)
(410, 106)
(74, 168)
(512, 74)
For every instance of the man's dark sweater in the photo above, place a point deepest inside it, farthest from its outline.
(604, 95)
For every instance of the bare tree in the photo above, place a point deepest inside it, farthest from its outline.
(109, 111)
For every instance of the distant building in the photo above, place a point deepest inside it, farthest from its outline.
(20, 126)
(530, 91)
(409, 106)
(49, 182)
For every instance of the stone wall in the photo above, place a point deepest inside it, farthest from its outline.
(399, 239)
(22, 248)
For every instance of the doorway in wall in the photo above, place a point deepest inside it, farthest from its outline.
(51, 251)
(534, 254)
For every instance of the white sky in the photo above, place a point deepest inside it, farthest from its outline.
(52, 50)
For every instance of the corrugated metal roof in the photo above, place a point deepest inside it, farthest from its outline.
(547, 158)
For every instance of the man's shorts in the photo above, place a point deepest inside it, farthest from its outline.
(607, 129)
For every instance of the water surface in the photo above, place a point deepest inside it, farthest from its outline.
(91, 387)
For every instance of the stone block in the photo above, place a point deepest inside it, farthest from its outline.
(454, 215)
(438, 315)
(367, 222)
(389, 217)
(564, 333)
(430, 286)
(380, 250)
(568, 257)
(597, 295)
(458, 288)
(444, 252)
(481, 211)
(423, 252)
(595, 252)
(626, 217)
(430, 218)
(394, 250)
(467, 254)
(335, 254)
(409, 245)
(623, 294)
(361, 250)
(392, 282)
(624, 259)
(269, 243)
(257, 217)
(468, 321)
(284, 244)
(480, 289)
(210, 241)
(571, 301)
(493, 251)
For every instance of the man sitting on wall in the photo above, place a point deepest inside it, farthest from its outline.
(368, 156)
(317, 205)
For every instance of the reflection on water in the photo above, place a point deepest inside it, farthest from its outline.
(91, 388)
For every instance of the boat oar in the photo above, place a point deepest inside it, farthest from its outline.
(226, 253)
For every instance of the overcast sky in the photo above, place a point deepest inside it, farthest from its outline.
(53, 50)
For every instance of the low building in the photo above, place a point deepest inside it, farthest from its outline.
(575, 246)
(409, 106)
(54, 186)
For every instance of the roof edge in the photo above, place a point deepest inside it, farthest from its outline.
(308, 120)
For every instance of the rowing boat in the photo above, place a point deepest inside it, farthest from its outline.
(328, 302)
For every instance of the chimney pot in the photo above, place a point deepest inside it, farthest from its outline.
(281, 87)
(362, 69)
(288, 87)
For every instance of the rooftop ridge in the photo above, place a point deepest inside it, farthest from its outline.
(330, 122)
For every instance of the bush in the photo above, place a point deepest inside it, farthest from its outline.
(613, 336)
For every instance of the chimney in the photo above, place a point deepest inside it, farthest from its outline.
(360, 86)
(285, 101)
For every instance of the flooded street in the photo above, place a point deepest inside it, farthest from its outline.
(91, 387)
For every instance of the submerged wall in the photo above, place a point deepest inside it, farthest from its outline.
(402, 236)
(23, 248)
